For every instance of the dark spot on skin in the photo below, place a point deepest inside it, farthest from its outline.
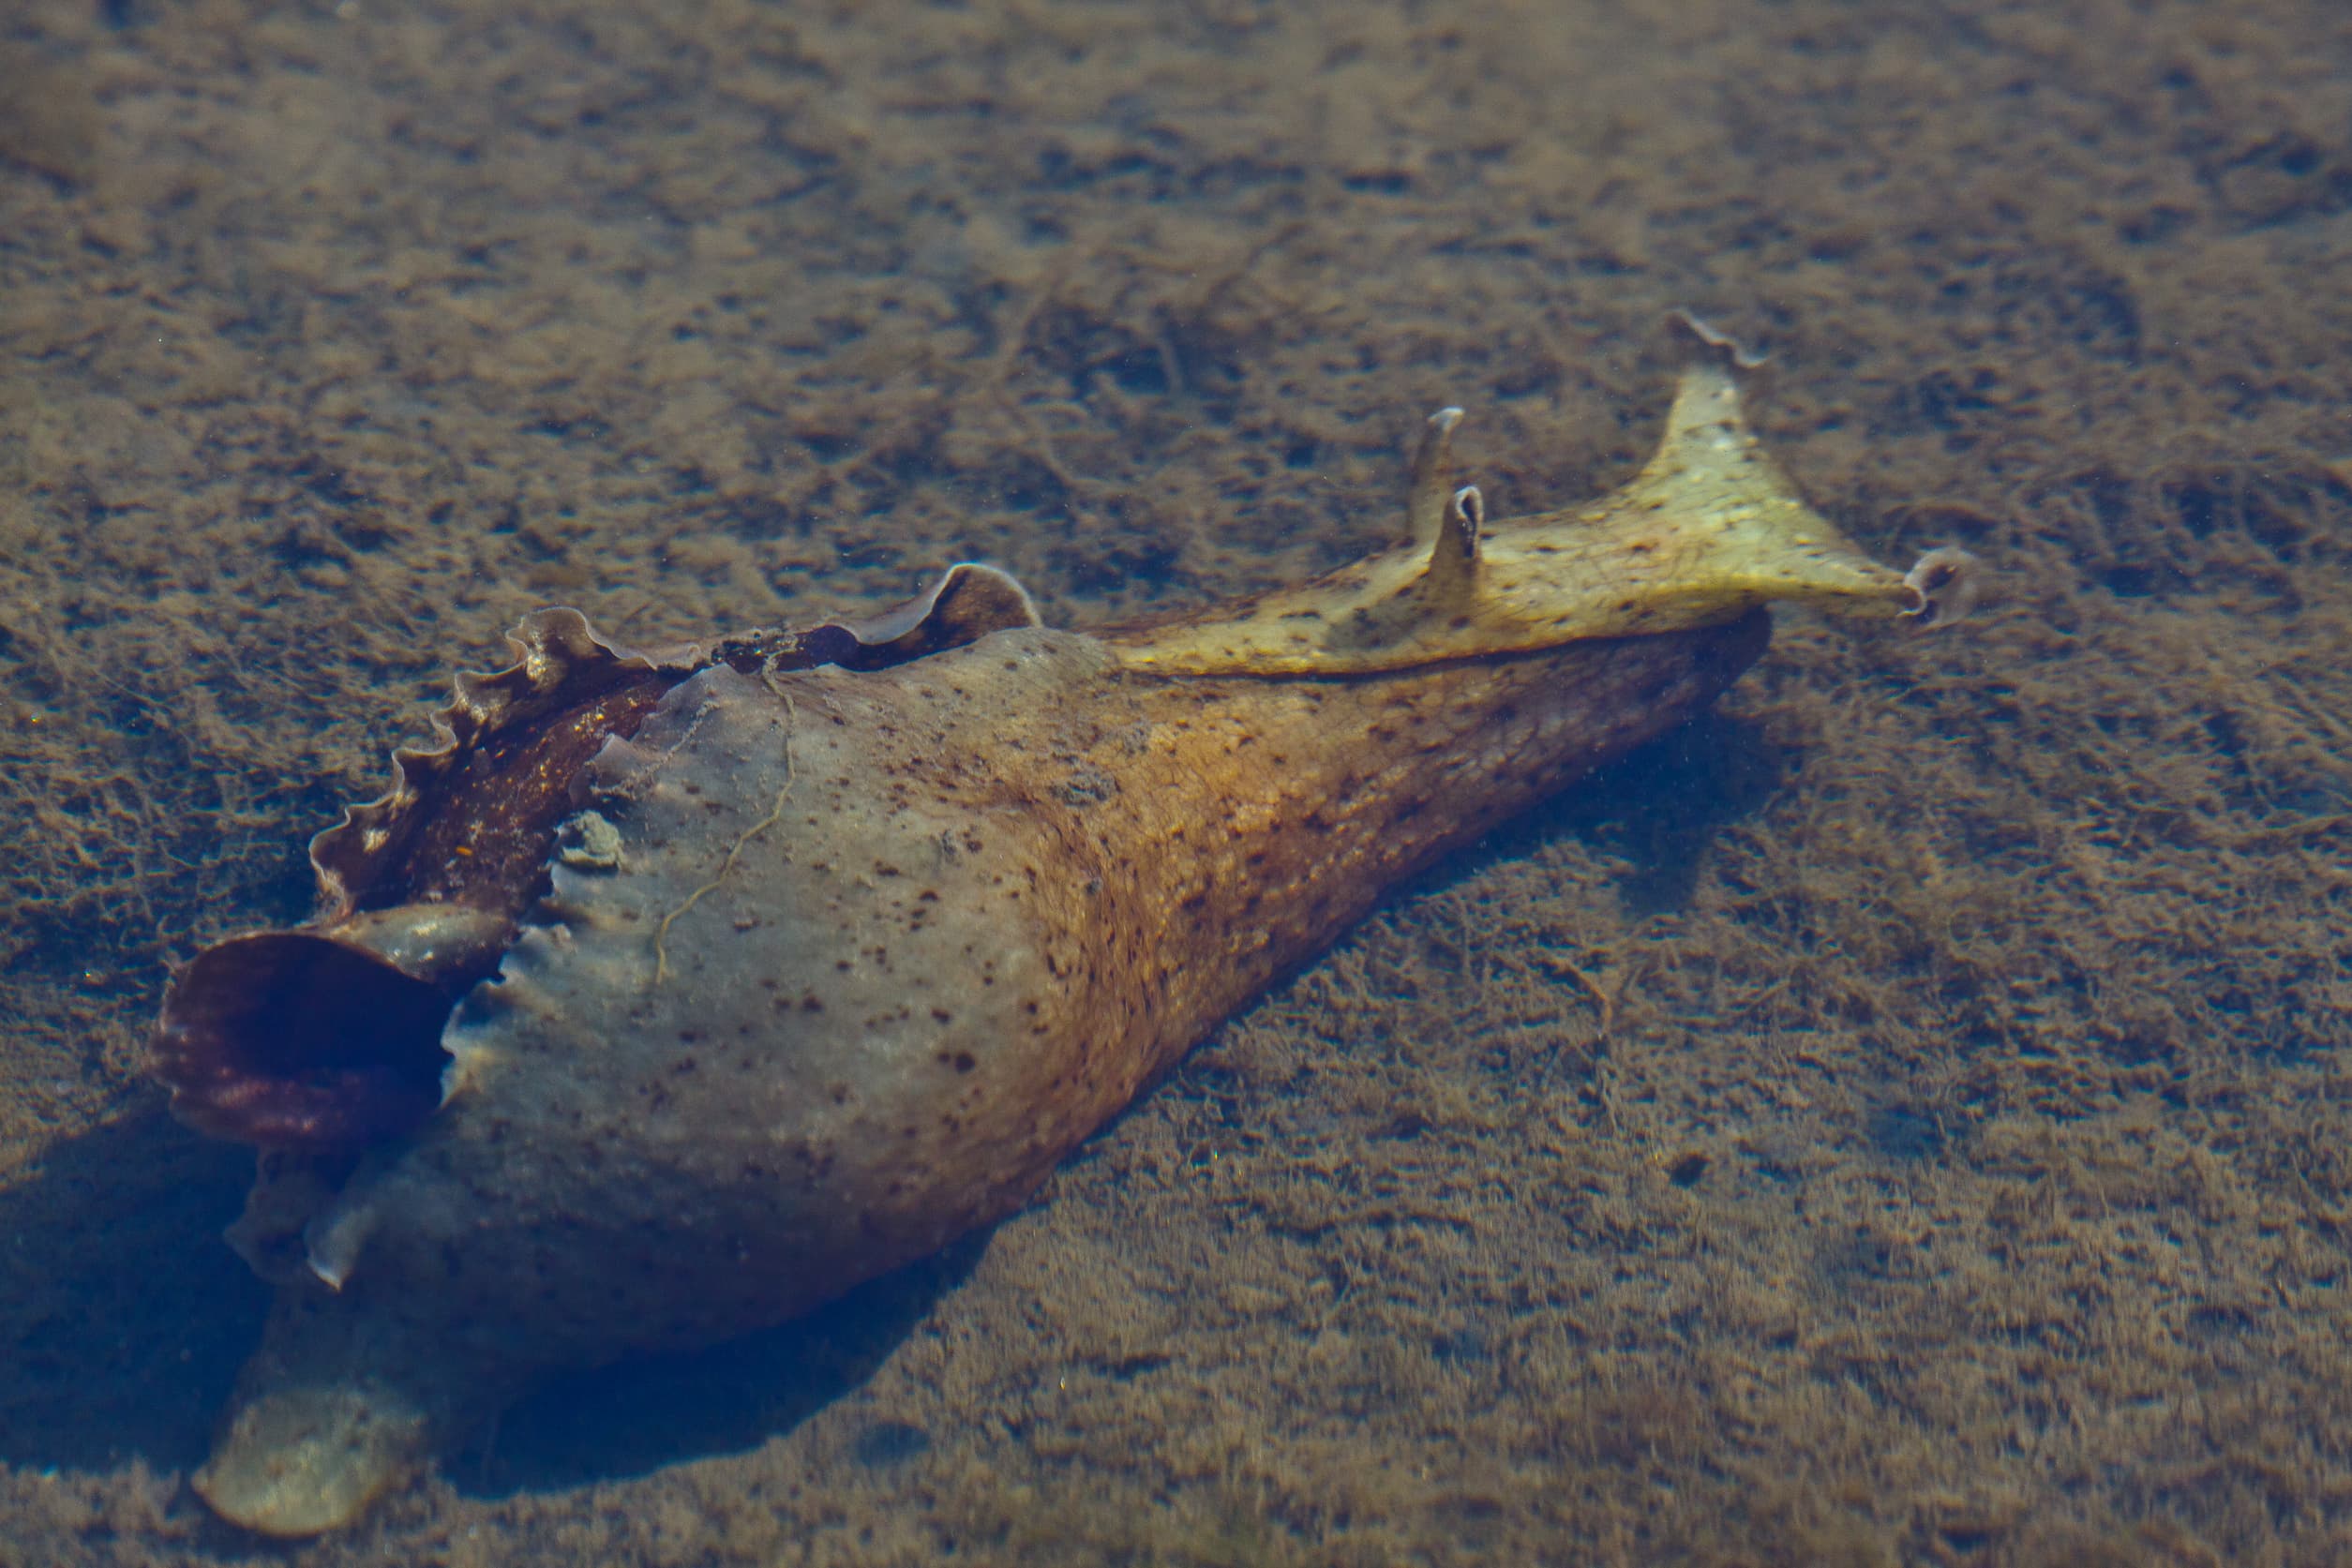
(943, 1015)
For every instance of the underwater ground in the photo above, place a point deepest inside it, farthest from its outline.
(1899, 1118)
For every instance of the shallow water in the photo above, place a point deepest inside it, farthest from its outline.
(1961, 1175)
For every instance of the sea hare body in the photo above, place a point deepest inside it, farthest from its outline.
(676, 992)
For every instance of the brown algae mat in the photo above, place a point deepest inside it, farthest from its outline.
(1899, 1118)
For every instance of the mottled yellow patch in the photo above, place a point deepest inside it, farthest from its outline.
(1708, 531)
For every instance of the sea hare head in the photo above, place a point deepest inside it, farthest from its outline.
(1707, 532)
(318, 1438)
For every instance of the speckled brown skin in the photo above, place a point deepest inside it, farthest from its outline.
(880, 949)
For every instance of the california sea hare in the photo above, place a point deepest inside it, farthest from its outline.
(672, 992)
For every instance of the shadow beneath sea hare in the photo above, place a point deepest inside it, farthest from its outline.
(1659, 807)
(640, 1415)
(125, 1314)
(127, 1317)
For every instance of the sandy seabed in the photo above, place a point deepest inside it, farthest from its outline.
(1899, 1118)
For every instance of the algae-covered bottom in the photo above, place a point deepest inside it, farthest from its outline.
(1896, 1118)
